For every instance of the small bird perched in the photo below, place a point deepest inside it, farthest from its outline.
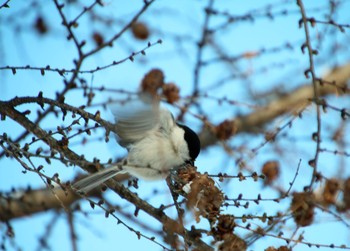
(155, 143)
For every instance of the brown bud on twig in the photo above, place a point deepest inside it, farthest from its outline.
(302, 208)
(271, 171)
(140, 31)
(171, 92)
(152, 81)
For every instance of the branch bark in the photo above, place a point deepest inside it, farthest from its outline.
(24, 203)
(293, 102)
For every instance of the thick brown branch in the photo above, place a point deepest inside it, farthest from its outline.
(293, 102)
(19, 204)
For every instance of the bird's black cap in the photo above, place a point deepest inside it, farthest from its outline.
(194, 145)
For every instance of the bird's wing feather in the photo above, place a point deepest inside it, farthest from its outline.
(134, 118)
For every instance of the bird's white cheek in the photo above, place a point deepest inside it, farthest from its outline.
(179, 144)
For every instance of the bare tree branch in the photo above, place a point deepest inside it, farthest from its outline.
(8, 110)
(292, 102)
(43, 133)
(24, 203)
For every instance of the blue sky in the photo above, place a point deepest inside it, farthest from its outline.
(165, 18)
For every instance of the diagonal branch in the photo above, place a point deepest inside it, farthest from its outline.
(26, 203)
(335, 82)
(158, 214)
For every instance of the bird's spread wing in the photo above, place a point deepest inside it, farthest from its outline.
(134, 118)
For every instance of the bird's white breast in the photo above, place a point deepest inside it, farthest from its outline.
(157, 153)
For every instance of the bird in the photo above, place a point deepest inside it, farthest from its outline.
(155, 142)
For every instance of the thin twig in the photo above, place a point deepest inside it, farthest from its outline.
(311, 70)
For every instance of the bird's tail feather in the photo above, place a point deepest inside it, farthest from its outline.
(90, 182)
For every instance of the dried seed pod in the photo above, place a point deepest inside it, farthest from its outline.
(152, 81)
(204, 198)
(302, 207)
(98, 38)
(330, 192)
(225, 129)
(271, 170)
(171, 92)
(233, 243)
(223, 227)
(41, 26)
(140, 30)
